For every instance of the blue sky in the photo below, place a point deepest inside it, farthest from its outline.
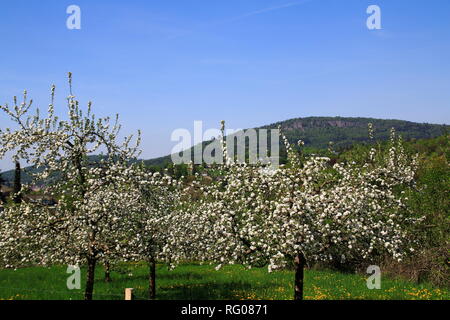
(163, 64)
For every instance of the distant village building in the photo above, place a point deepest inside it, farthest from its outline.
(36, 195)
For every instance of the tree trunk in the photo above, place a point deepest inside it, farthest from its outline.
(107, 272)
(152, 279)
(17, 196)
(299, 262)
(90, 278)
(2, 196)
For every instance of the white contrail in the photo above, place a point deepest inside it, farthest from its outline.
(253, 13)
(286, 5)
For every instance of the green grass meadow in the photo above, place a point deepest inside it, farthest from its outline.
(203, 282)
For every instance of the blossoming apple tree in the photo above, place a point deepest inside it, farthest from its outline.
(347, 209)
(151, 221)
(308, 210)
(83, 227)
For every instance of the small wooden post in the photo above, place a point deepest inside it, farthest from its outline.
(129, 294)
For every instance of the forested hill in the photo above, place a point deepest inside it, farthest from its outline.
(317, 132)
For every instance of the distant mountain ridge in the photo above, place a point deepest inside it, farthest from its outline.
(317, 132)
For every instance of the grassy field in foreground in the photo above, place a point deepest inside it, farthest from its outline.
(191, 281)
